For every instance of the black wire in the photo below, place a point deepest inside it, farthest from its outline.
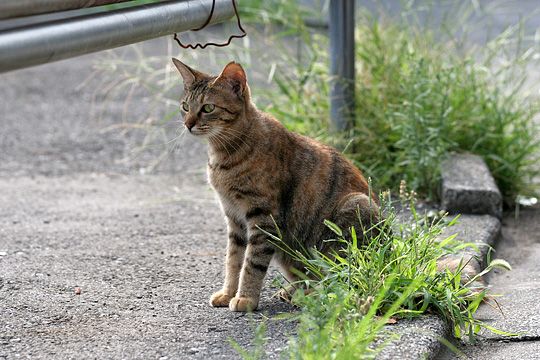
(198, 45)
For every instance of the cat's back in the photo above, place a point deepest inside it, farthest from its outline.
(313, 181)
(314, 161)
(292, 176)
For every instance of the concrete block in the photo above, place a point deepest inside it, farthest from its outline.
(417, 339)
(482, 230)
(468, 187)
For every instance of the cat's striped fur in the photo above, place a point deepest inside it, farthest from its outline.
(261, 171)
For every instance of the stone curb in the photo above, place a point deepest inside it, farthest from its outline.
(468, 189)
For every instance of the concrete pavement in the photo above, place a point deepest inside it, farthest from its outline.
(519, 289)
(77, 211)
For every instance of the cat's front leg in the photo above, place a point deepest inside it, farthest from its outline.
(259, 253)
(236, 248)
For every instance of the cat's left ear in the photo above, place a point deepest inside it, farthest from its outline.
(189, 75)
(234, 74)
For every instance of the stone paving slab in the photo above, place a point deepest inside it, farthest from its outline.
(500, 350)
(468, 187)
(518, 292)
(418, 339)
(481, 230)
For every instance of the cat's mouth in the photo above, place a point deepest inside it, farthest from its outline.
(200, 131)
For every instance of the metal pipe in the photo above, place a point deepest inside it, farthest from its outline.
(341, 29)
(43, 43)
(15, 8)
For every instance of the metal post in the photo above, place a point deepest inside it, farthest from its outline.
(61, 39)
(341, 27)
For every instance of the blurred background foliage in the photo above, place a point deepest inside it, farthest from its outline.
(428, 83)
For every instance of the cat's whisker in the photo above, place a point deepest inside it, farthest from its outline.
(224, 134)
(215, 133)
(176, 140)
(176, 137)
(228, 143)
(215, 136)
(236, 134)
(234, 131)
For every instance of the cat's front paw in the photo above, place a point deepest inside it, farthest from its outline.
(220, 299)
(241, 303)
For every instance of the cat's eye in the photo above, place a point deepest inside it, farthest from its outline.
(185, 106)
(208, 108)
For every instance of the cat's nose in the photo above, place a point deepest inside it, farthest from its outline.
(189, 125)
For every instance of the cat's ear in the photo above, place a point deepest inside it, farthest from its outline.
(189, 75)
(234, 74)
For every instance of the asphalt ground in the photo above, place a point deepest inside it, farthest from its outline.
(78, 209)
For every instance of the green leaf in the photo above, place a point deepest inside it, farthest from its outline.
(499, 331)
(333, 227)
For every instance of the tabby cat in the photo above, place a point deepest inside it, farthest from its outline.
(262, 174)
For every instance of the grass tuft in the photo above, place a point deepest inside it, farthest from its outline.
(355, 292)
(417, 101)
(420, 94)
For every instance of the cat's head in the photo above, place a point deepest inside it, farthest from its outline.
(211, 105)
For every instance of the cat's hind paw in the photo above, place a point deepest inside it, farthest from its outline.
(244, 304)
(286, 294)
(220, 299)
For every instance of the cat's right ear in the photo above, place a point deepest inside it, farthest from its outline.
(188, 74)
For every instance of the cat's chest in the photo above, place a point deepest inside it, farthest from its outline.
(238, 187)
(231, 191)
(226, 181)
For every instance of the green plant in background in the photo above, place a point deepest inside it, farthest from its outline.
(420, 94)
(417, 101)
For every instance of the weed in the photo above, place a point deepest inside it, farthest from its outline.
(417, 101)
(256, 351)
(420, 94)
(354, 292)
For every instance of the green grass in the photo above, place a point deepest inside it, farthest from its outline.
(417, 101)
(356, 291)
(420, 94)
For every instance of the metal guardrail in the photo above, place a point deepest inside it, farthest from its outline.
(15, 8)
(61, 39)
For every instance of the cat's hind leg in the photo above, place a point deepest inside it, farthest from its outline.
(360, 211)
(294, 274)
